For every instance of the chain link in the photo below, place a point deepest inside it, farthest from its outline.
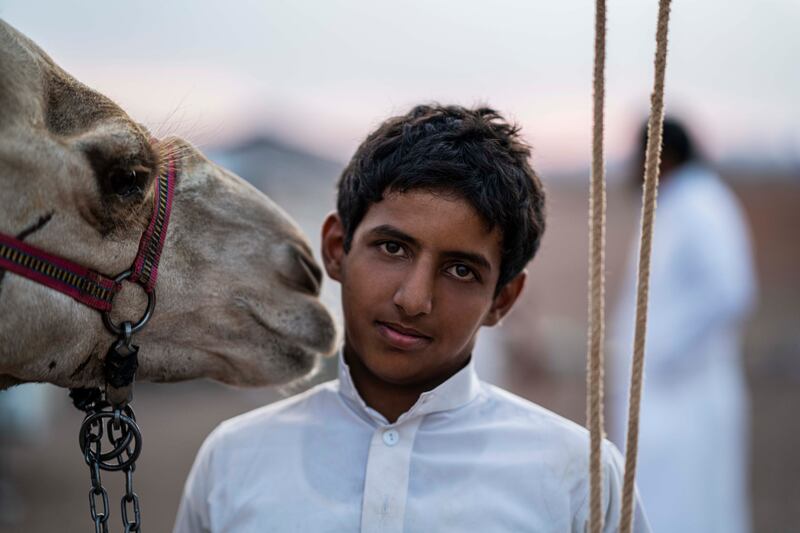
(130, 501)
(100, 519)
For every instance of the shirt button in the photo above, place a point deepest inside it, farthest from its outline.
(391, 437)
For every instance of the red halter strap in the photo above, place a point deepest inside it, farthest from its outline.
(83, 284)
(87, 286)
(145, 267)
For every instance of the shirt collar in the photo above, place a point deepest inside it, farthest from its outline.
(459, 389)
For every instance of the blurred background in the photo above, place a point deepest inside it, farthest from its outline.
(283, 92)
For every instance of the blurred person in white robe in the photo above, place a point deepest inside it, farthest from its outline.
(694, 433)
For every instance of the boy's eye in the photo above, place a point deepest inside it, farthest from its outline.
(462, 272)
(391, 248)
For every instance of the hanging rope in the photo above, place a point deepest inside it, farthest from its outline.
(651, 168)
(597, 217)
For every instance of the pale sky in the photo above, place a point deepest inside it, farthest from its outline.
(322, 74)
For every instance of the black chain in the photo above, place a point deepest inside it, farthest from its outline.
(123, 434)
(109, 415)
(120, 430)
(100, 519)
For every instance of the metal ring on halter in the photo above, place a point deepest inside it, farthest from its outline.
(151, 305)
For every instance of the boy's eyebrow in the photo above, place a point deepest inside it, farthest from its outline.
(390, 231)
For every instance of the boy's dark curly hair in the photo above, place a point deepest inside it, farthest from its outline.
(473, 153)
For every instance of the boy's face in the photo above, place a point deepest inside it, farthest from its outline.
(417, 284)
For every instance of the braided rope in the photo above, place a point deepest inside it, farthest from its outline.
(597, 217)
(652, 164)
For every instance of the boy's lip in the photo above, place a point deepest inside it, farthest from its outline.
(401, 336)
(405, 330)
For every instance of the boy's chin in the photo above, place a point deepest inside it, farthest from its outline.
(394, 368)
(408, 369)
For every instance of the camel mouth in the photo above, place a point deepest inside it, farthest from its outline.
(295, 363)
(316, 342)
(256, 317)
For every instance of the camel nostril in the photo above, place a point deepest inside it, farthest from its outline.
(305, 274)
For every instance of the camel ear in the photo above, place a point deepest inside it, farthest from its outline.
(333, 245)
(504, 301)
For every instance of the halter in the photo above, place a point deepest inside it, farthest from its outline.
(97, 291)
(108, 417)
(85, 285)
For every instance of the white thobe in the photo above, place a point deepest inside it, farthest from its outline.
(466, 457)
(692, 466)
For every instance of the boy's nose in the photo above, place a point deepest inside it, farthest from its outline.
(415, 295)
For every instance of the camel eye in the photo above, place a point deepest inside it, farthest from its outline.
(127, 183)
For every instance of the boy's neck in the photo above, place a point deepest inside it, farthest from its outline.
(390, 400)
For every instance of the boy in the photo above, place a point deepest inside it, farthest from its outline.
(437, 215)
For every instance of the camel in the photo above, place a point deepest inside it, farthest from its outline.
(238, 287)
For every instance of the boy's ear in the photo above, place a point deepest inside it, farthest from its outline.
(333, 245)
(504, 301)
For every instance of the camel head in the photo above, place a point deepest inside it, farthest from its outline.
(238, 286)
